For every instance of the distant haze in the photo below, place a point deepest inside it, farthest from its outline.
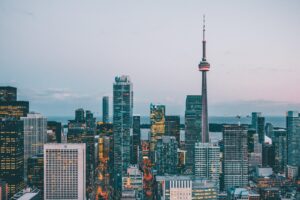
(62, 55)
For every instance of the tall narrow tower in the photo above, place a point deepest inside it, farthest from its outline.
(204, 67)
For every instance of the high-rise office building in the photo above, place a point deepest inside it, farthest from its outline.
(279, 141)
(157, 123)
(254, 116)
(166, 157)
(261, 129)
(12, 154)
(172, 126)
(64, 171)
(136, 138)
(268, 155)
(35, 136)
(269, 130)
(54, 132)
(258, 124)
(122, 123)
(235, 162)
(9, 106)
(105, 109)
(79, 115)
(8, 94)
(35, 173)
(193, 110)
(204, 68)
(207, 161)
(82, 130)
(293, 138)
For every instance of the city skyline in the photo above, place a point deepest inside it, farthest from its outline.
(73, 67)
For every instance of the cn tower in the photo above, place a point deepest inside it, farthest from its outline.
(204, 67)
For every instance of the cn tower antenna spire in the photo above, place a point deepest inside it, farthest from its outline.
(203, 41)
(203, 27)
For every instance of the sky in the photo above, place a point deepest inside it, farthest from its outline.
(62, 55)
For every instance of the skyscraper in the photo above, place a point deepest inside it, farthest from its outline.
(157, 123)
(82, 130)
(136, 138)
(122, 123)
(35, 135)
(172, 126)
(193, 110)
(8, 93)
(64, 171)
(105, 109)
(79, 115)
(12, 154)
(204, 67)
(293, 138)
(261, 129)
(279, 140)
(235, 156)
(207, 161)
(166, 157)
(9, 106)
(268, 155)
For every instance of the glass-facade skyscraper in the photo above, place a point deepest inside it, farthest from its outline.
(293, 138)
(235, 162)
(122, 123)
(105, 109)
(166, 157)
(193, 110)
(35, 136)
(136, 138)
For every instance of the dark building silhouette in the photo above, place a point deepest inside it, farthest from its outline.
(8, 93)
(172, 126)
(79, 115)
(105, 109)
(35, 172)
(261, 129)
(279, 140)
(268, 155)
(136, 138)
(9, 106)
(12, 154)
